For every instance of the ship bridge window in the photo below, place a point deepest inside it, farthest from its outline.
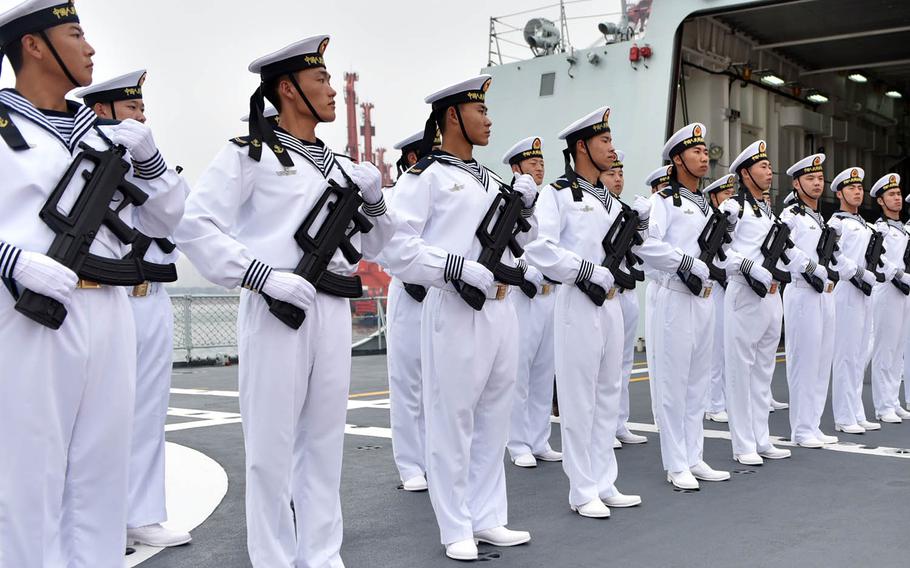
(547, 84)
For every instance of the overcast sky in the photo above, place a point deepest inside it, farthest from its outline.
(197, 52)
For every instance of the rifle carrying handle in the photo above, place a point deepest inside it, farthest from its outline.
(41, 309)
(289, 314)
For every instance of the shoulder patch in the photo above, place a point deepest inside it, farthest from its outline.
(665, 192)
(796, 210)
(561, 183)
(422, 165)
(246, 141)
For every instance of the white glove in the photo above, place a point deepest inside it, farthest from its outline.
(290, 288)
(866, 276)
(533, 276)
(903, 277)
(882, 228)
(837, 225)
(137, 138)
(642, 206)
(368, 178)
(731, 209)
(820, 272)
(476, 275)
(700, 271)
(44, 275)
(760, 273)
(602, 277)
(524, 184)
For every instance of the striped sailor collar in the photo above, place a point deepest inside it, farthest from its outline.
(893, 223)
(478, 172)
(598, 191)
(847, 215)
(316, 153)
(84, 118)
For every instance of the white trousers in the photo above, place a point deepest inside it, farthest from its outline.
(716, 401)
(852, 330)
(808, 321)
(890, 312)
(293, 399)
(154, 318)
(469, 360)
(650, 347)
(752, 327)
(588, 375)
(628, 302)
(405, 385)
(66, 405)
(684, 341)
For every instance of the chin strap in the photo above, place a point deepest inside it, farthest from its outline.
(60, 62)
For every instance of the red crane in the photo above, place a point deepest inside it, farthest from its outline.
(368, 131)
(350, 103)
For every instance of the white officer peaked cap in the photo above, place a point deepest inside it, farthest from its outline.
(725, 182)
(123, 88)
(808, 165)
(588, 126)
(688, 136)
(884, 183)
(659, 176)
(269, 112)
(753, 154)
(34, 16)
(304, 54)
(473, 90)
(531, 147)
(848, 177)
(620, 158)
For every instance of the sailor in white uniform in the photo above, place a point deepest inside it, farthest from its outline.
(573, 216)
(890, 305)
(403, 357)
(239, 231)
(683, 318)
(752, 321)
(119, 99)
(529, 433)
(468, 357)
(614, 181)
(852, 307)
(65, 453)
(808, 312)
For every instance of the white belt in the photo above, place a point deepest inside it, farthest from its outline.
(678, 285)
(496, 292)
(740, 279)
(144, 289)
(546, 288)
(800, 282)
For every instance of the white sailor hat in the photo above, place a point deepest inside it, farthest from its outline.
(725, 182)
(752, 155)
(884, 183)
(411, 140)
(588, 126)
(473, 90)
(123, 88)
(304, 54)
(524, 150)
(34, 16)
(659, 176)
(847, 177)
(790, 198)
(269, 112)
(618, 161)
(688, 136)
(808, 165)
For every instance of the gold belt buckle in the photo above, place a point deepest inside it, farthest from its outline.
(87, 285)
(141, 290)
(545, 289)
(773, 288)
(705, 292)
(501, 291)
(611, 293)
(829, 287)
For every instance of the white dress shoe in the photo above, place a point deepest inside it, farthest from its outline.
(869, 426)
(630, 438)
(594, 509)
(774, 453)
(849, 428)
(826, 439)
(501, 536)
(525, 460)
(462, 550)
(810, 443)
(775, 405)
(416, 483)
(549, 455)
(157, 536)
(617, 444)
(890, 418)
(720, 417)
(749, 459)
(619, 500)
(704, 472)
(682, 480)
(901, 413)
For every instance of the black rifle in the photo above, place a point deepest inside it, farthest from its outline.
(342, 221)
(497, 231)
(874, 252)
(416, 291)
(905, 290)
(710, 241)
(617, 243)
(774, 248)
(151, 271)
(827, 246)
(103, 172)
